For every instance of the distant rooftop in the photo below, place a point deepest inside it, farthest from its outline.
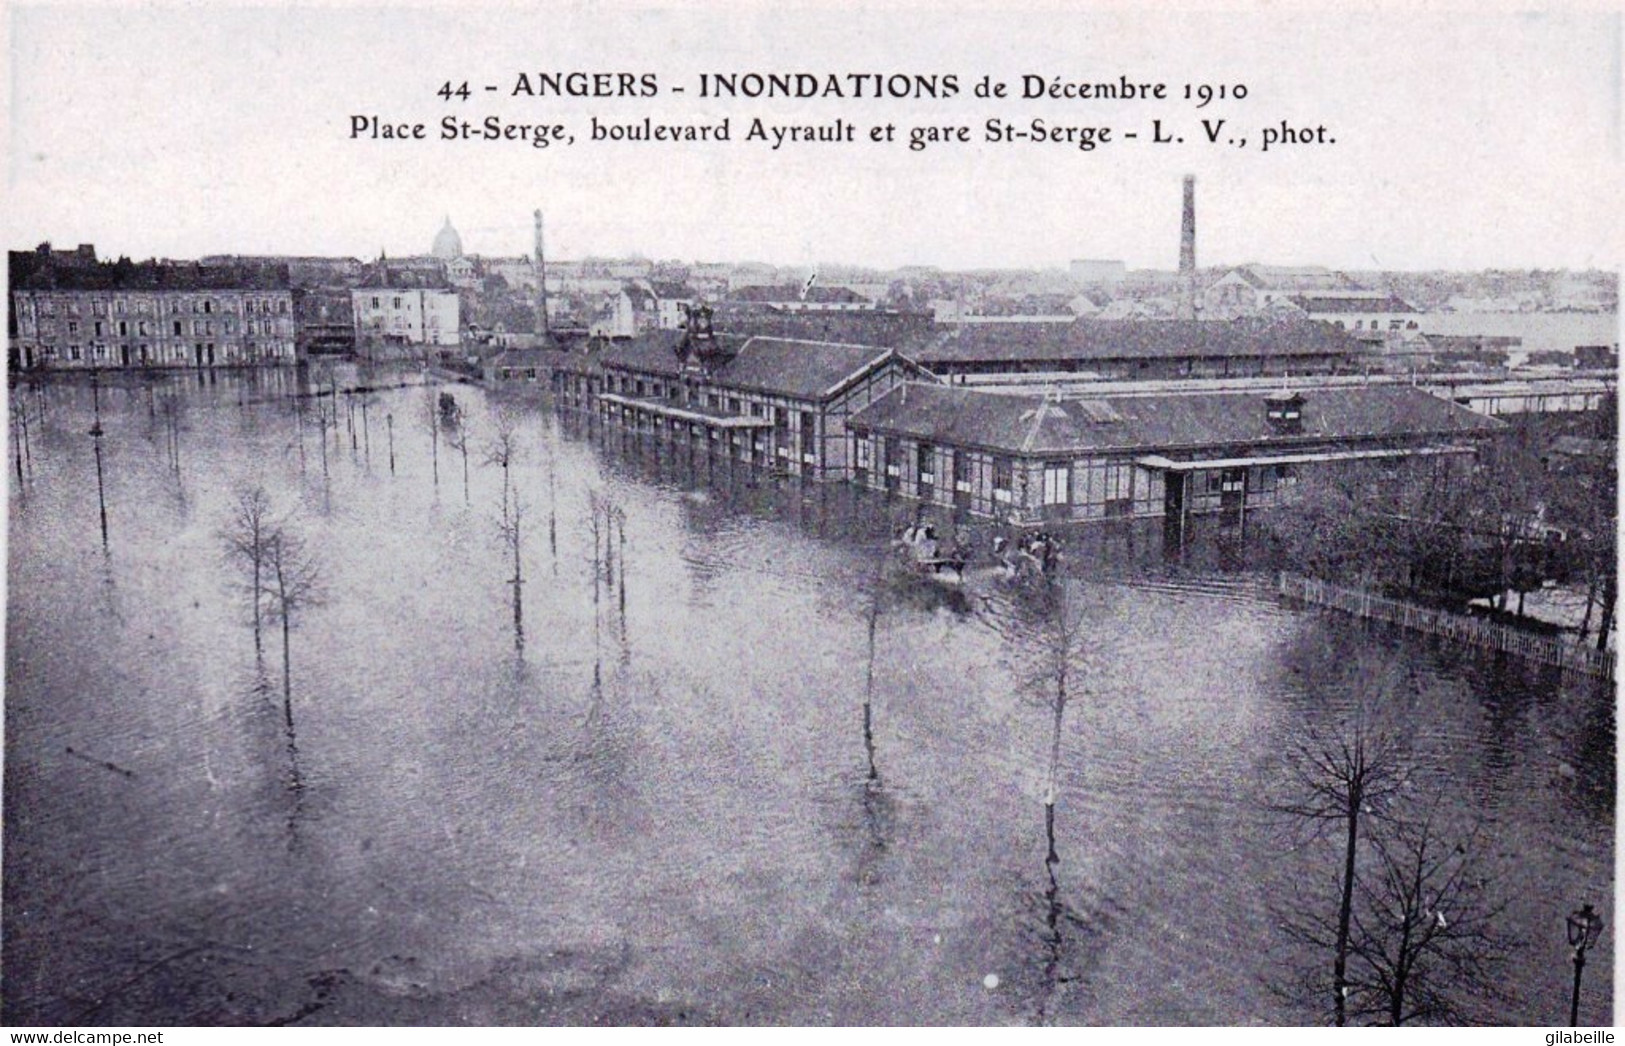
(1087, 339)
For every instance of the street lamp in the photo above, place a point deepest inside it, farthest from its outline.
(1585, 926)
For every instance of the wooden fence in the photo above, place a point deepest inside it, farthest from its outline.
(1550, 650)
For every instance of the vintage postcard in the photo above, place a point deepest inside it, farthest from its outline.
(704, 514)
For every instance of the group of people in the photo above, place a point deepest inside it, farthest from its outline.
(1031, 555)
(920, 542)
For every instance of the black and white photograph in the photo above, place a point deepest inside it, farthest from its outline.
(699, 514)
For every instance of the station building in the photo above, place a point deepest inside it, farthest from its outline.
(776, 403)
(1030, 459)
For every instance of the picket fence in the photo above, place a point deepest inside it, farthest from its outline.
(1550, 650)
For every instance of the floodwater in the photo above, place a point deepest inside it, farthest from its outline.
(666, 813)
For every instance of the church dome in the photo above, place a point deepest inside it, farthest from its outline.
(447, 244)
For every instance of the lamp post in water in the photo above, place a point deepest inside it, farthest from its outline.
(96, 437)
(1585, 926)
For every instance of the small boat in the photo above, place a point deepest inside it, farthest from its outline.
(919, 550)
(448, 407)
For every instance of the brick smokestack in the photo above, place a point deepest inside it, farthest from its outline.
(1187, 253)
(542, 329)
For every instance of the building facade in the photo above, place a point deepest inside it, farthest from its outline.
(405, 316)
(69, 328)
(1031, 460)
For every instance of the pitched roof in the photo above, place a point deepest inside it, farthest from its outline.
(1090, 339)
(1350, 303)
(640, 297)
(669, 291)
(1290, 277)
(897, 330)
(655, 352)
(155, 276)
(1036, 426)
(552, 359)
(802, 369)
(808, 370)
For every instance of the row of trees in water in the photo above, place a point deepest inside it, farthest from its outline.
(1406, 923)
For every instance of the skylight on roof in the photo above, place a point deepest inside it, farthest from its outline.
(1098, 411)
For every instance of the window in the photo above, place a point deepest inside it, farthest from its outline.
(375, 303)
(73, 327)
(177, 328)
(208, 305)
(733, 404)
(866, 451)
(73, 352)
(397, 303)
(1119, 482)
(1004, 479)
(925, 467)
(1057, 484)
(123, 328)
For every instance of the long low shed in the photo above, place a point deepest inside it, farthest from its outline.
(1034, 459)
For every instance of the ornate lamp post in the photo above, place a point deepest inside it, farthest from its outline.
(1585, 926)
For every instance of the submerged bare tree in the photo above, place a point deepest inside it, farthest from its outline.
(877, 582)
(1343, 781)
(501, 451)
(171, 411)
(299, 429)
(294, 586)
(552, 507)
(431, 418)
(1333, 784)
(246, 536)
(457, 436)
(1053, 680)
(1424, 940)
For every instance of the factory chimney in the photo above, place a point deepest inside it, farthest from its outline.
(1187, 253)
(542, 330)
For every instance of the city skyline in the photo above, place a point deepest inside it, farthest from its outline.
(1466, 143)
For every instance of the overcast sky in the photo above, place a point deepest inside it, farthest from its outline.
(1462, 141)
